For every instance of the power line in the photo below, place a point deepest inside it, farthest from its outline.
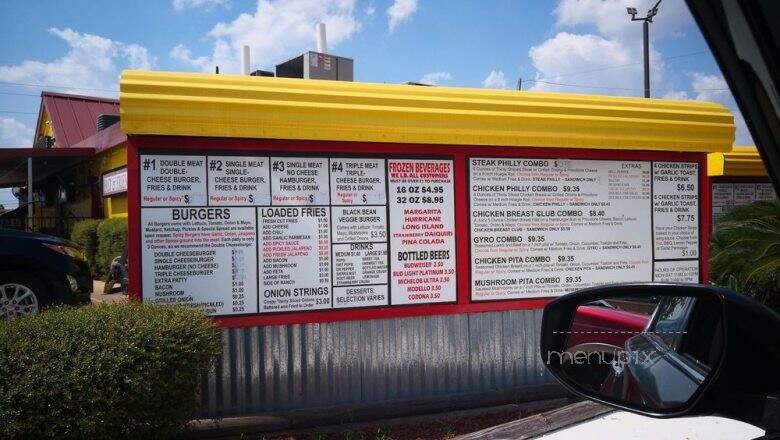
(583, 86)
(674, 57)
(543, 80)
(56, 86)
(18, 113)
(631, 89)
(20, 94)
(601, 69)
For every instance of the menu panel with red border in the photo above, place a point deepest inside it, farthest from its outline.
(239, 234)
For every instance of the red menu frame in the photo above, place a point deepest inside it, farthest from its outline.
(460, 154)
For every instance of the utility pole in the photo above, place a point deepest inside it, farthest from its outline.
(646, 20)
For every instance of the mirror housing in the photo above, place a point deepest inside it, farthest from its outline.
(742, 384)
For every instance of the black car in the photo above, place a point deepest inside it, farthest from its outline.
(38, 270)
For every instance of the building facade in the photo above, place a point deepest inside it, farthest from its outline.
(367, 244)
(77, 166)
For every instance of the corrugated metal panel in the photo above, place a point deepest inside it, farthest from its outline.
(74, 117)
(191, 104)
(105, 139)
(743, 160)
(298, 366)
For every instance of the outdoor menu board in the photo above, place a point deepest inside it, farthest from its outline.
(545, 227)
(237, 235)
(729, 195)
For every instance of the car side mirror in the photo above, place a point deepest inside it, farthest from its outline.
(666, 350)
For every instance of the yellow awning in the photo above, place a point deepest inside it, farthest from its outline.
(743, 160)
(193, 104)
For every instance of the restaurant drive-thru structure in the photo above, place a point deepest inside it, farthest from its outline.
(372, 243)
(737, 178)
(75, 170)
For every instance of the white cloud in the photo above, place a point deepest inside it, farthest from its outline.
(434, 78)
(742, 135)
(180, 5)
(608, 65)
(7, 199)
(714, 88)
(710, 87)
(370, 10)
(606, 50)
(181, 53)
(606, 54)
(676, 94)
(92, 62)
(14, 133)
(399, 12)
(496, 80)
(275, 31)
(610, 18)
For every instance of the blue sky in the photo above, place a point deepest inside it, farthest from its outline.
(579, 46)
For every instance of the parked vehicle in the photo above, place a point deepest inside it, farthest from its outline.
(117, 274)
(38, 271)
(705, 351)
(602, 323)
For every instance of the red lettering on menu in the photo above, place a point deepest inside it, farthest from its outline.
(419, 170)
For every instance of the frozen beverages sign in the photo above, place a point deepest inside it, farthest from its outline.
(240, 235)
(422, 231)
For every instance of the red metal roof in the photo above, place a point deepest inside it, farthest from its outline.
(103, 140)
(75, 116)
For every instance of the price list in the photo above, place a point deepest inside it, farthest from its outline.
(422, 231)
(676, 210)
(545, 227)
(360, 250)
(200, 257)
(234, 234)
(728, 195)
(294, 257)
(173, 181)
(239, 279)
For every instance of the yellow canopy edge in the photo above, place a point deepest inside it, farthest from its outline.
(743, 160)
(196, 104)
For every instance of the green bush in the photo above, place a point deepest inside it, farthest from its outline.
(122, 370)
(745, 252)
(112, 239)
(84, 233)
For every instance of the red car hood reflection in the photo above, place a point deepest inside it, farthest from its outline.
(594, 324)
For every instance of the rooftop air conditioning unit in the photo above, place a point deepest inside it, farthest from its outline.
(316, 65)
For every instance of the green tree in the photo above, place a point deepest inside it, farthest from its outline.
(112, 239)
(745, 252)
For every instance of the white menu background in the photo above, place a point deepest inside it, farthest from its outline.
(200, 257)
(173, 180)
(422, 231)
(545, 227)
(729, 195)
(676, 209)
(238, 234)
